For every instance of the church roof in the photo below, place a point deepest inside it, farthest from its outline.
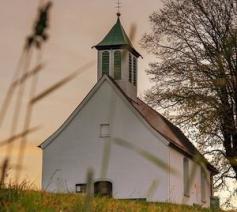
(171, 132)
(117, 38)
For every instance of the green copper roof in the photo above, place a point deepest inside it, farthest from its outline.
(116, 37)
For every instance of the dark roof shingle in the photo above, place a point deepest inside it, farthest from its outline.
(171, 132)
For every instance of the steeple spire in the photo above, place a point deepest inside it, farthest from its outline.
(117, 39)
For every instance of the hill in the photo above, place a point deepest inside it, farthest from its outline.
(19, 200)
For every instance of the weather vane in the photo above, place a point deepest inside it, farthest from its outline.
(118, 7)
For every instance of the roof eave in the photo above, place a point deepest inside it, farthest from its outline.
(210, 167)
(118, 46)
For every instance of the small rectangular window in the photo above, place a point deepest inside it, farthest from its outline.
(186, 181)
(80, 188)
(104, 130)
(203, 185)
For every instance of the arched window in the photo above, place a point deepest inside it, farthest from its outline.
(134, 71)
(105, 63)
(117, 65)
(130, 68)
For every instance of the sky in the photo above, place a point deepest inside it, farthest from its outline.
(75, 26)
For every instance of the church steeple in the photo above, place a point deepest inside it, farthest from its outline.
(118, 58)
(117, 38)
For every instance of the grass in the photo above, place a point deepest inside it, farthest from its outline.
(18, 199)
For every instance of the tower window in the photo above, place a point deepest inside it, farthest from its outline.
(134, 71)
(186, 177)
(117, 65)
(105, 63)
(130, 68)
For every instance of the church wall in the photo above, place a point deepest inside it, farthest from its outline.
(79, 147)
(176, 183)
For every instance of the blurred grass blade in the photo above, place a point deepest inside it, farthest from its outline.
(107, 141)
(27, 75)
(150, 157)
(5, 104)
(152, 189)
(51, 178)
(132, 32)
(28, 117)
(89, 188)
(3, 172)
(12, 88)
(52, 88)
(9, 93)
(59, 84)
(17, 136)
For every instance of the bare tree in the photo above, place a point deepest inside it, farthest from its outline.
(195, 43)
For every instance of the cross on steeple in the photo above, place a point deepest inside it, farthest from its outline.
(118, 8)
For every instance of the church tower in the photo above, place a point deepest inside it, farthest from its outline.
(118, 59)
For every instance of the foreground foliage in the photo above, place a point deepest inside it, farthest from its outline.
(19, 200)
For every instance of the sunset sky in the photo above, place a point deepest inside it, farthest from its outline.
(75, 26)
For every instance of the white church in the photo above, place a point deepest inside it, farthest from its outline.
(121, 138)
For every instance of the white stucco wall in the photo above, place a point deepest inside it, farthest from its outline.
(176, 184)
(79, 147)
